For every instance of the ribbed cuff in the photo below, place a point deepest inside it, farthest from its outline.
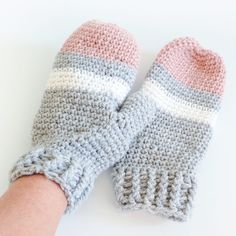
(165, 193)
(74, 178)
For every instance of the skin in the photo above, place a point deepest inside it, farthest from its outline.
(33, 205)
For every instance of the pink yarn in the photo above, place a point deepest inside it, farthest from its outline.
(104, 40)
(194, 66)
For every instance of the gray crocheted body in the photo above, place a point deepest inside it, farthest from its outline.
(78, 131)
(158, 172)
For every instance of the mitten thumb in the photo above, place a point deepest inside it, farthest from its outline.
(136, 113)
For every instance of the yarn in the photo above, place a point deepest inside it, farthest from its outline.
(158, 171)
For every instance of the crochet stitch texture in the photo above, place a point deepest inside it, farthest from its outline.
(158, 172)
(81, 129)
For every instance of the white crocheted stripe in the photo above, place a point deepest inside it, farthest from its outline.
(177, 106)
(88, 81)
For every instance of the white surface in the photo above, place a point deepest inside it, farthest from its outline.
(31, 32)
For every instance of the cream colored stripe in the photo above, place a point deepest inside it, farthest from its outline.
(176, 106)
(89, 81)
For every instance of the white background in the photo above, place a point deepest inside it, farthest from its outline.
(31, 33)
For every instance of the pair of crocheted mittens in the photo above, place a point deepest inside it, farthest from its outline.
(154, 138)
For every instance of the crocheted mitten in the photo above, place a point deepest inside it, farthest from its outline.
(158, 172)
(77, 132)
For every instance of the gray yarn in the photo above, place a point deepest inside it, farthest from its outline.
(75, 159)
(159, 74)
(158, 172)
(97, 65)
(80, 120)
